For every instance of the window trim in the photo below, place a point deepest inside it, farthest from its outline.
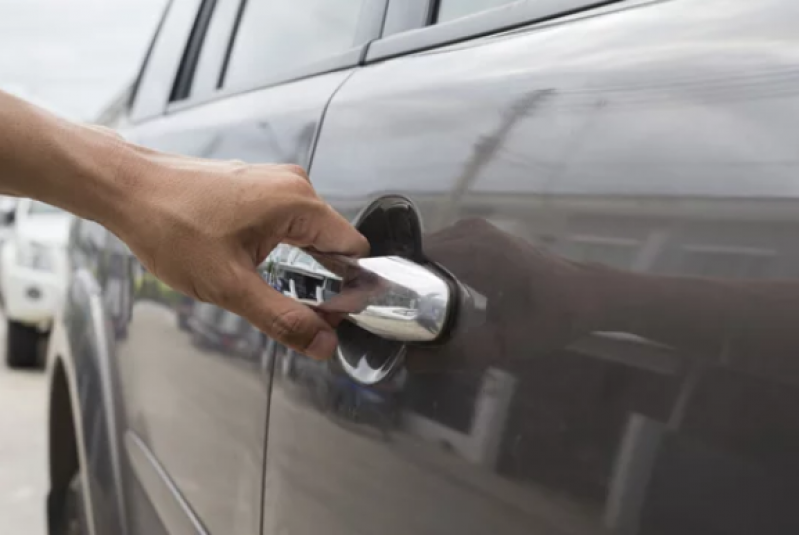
(184, 78)
(345, 60)
(134, 90)
(371, 22)
(336, 62)
(234, 32)
(406, 15)
(211, 61)
(185, 13)
(369, 29)
(503, 18)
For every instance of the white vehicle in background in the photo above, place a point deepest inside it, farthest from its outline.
(33, 277)
(8, 206)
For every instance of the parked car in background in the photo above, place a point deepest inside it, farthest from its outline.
(221, 330)
(185, 309)
(463, 138)
(8, 207)
(33, 277)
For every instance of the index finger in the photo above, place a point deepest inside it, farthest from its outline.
(324, 230)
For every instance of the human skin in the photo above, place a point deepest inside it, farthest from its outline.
(201, 226)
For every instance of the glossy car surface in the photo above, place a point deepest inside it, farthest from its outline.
(654, 137)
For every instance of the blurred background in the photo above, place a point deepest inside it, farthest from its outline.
(71, 57)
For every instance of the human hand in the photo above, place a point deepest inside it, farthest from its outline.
(204, 227)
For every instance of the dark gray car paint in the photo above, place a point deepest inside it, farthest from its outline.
(643, 138)
(648, 138)
(202, 413)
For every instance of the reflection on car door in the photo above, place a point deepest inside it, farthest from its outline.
(600, 141)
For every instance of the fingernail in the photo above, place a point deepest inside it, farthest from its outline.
(323, 345)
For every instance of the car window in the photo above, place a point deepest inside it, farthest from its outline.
(411, 29)
(113, 114)
(192, 51)
(277, 37)
(207, 77)
(158, 75)
(455, 9)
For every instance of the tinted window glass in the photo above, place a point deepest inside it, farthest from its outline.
(182, 86)
(455, 9)
(215, 48)
(158, 76)
(277, 37)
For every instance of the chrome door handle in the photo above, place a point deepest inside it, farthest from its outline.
(408, 302)
(389, 296)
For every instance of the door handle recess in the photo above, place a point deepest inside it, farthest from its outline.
(389, 296)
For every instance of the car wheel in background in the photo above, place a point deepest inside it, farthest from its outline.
(22, 342)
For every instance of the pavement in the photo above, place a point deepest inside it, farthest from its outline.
(23, 439)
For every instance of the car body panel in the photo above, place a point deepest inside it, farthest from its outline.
(196, 389)
(79, 355)
(657, 139)
(650, 136)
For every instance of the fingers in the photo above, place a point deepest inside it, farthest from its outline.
(312, 222)
(338, 235)
(283, 319)
(320, 227)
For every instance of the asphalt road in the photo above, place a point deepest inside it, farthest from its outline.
(23, 435)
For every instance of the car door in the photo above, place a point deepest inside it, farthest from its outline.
(194, 381)
(650, 138)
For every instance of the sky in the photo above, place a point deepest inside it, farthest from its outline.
(74, 56)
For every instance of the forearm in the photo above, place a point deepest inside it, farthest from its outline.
(750, 324)
(201, 226)
(61, 163)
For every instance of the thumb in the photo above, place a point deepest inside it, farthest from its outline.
(281, 318)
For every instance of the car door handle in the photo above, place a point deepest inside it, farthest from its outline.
(389, 296)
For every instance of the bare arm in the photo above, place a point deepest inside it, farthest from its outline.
(201, 226)
(47, 158)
